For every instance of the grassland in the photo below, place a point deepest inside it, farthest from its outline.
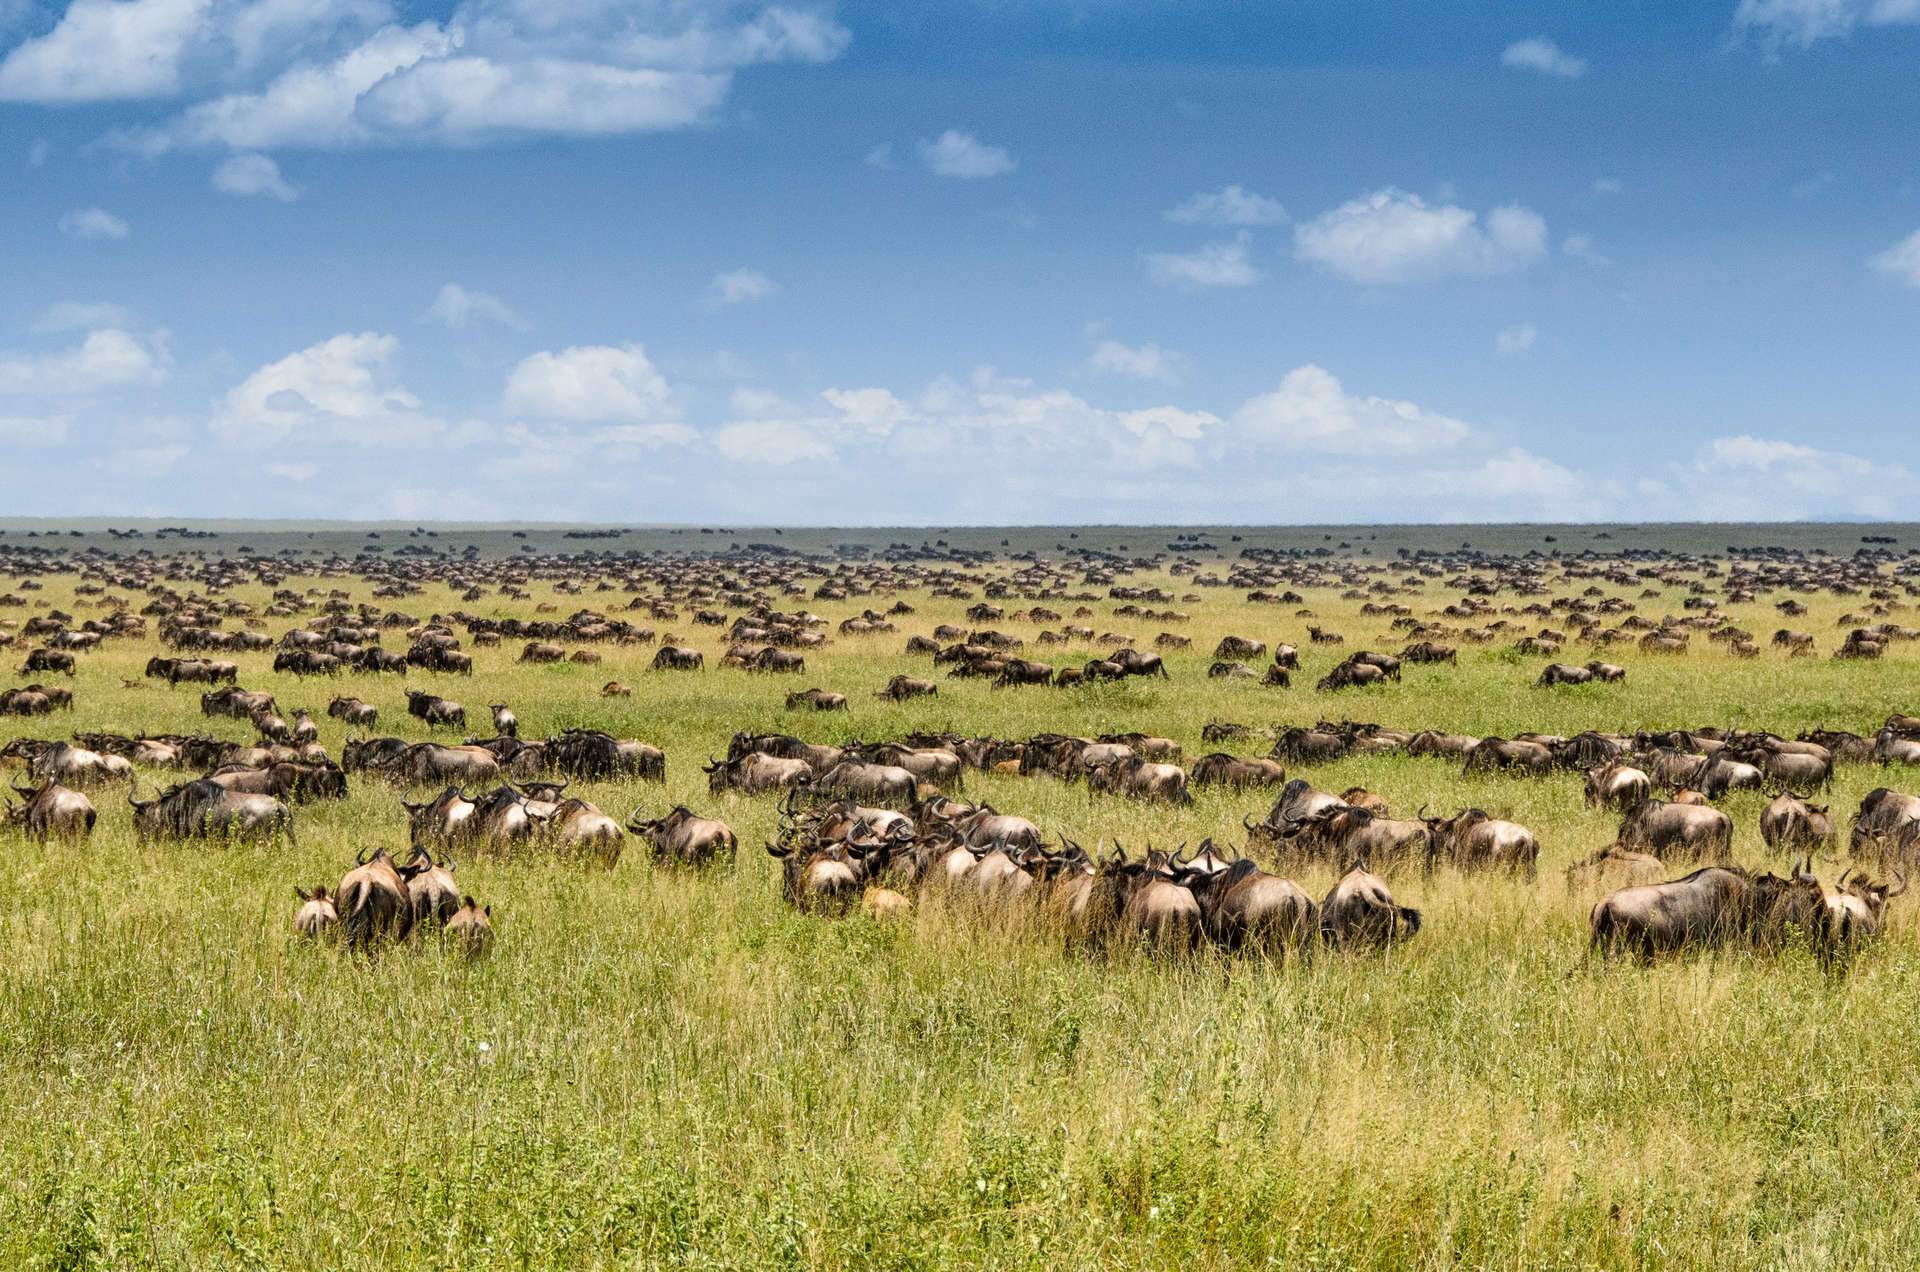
(658, 1070)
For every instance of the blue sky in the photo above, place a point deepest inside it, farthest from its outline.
(961, 261)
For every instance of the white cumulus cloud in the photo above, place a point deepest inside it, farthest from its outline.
(106, 360)
(250, 174)
(337, 392)
(1543, 55)
(93, 223)
(1214, 265)
(1232, 205)
(960, 154)
(1310, 411)
(599, 384)
(1391, 236)
(105, 50)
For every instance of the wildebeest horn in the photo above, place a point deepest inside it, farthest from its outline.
(1422, 814)
(360, 858)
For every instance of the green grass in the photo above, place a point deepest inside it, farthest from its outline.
(664, 1070)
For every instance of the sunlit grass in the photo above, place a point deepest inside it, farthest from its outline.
(657, 1069)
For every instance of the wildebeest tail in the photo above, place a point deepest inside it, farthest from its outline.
(1411, 918)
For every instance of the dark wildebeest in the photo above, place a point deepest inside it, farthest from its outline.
(683, 839)
(316, 916)
(353, 711)
(1494, 754)
(1788, 824)
(206, 810)
(1709, 907)
(818, 699)
(1472, 840)
(372, 900)
(1221, 769)
(1360, 910)
(1616, 785)
(1244, 907)
(505, 723)
(435, 710)
(431, 890)
(677, 658)
(470, 931)
(1676, 831)
(900, 688)
(52, 810)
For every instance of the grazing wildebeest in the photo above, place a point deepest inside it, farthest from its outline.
(52, 811)
(682, 838)
(1709, 907)
(1221, 769)
(1360, 911)
(1676, 831)
(316, 916)
(1616, 785)
(470, 931)
(818, 699)
(372, 900)
(353, 711)
(1472, 840)
(1244, 907)
(206, 810)
(676, 658)
(1789, 824)
(755, 772)
(435, 710)
(901, 688)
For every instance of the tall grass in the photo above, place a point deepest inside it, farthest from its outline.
(659, 1069)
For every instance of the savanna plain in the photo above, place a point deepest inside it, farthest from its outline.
(666, 1068)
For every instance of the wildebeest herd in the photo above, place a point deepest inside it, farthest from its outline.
(881, 821)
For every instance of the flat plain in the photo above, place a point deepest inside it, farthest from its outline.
(663, 1068)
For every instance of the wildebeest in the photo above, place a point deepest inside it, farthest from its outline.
(353, 711)
(505, 723)
(818, 699)
(901, 688)
(234, 701)
(1616, 785)
(1221, 769)
(425, 763)
(1789, 824)
(1341, 832)
(1471, 840)
(316, 916)
(372, 900)
(1142, 778)
(1709, 907)
(1244, 907)
(435, 710)
(431, 891)
(1360, 911)
(541, 651)
(207, 810)
(677, 658)
(1237, 647)
(1675, 831)
(755, 772)
(47, 660)
(1563, 674)
(682, 838)
(470, 931)
(75, 766)
(1493, 754)
(1613, 867)
(52, 811)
